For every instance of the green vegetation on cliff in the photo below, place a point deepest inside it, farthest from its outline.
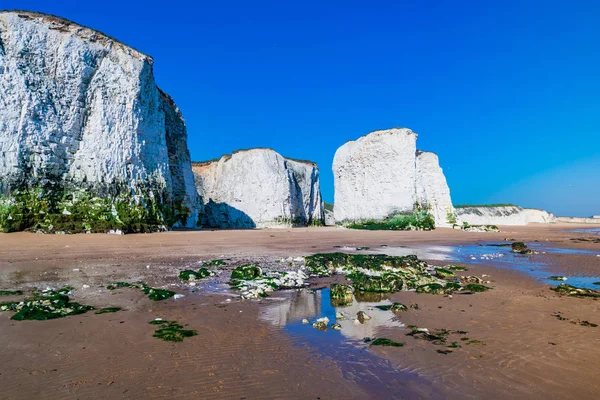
(420, 219)
(78, 211)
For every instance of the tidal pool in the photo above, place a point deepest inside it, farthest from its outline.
(346, 346)
(501, 255)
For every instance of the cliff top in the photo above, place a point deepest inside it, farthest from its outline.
(228, 156)
(66, 26)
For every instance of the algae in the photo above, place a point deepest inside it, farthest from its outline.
(153, 293)
(420, 219)
(394, 307)
(171, 331)
(386, 342)
(475, 287)
(11, 293)
(246, 272)
(194, 275)
(44, 305)
(574, 291)
(557, 278)
(106, 310)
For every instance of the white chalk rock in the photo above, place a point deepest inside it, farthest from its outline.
(259, 188)
(383, 173)
(503, 215)
(80, 108)
(432, 188)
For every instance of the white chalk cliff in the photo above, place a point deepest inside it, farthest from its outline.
(78, 108)
(259, 188)
(503, 215)
(383, 173)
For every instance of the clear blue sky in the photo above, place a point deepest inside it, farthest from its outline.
(506, 92)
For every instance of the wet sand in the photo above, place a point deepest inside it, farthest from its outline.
(526, 351)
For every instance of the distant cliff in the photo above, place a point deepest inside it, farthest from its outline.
(502, 215)
(383, 174)
(81, 111)
(259, 188)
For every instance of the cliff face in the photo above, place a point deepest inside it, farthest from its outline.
(383, 173)
(259, 188)
(80, 109)
(503, 215)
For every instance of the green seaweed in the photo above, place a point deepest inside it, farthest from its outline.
(444, 273)
(420, 219)
(475, 287)
(153, 293)
(394, 307)
(455, 268)
(325, 264)
(200, 274)
(11, 292)
(214, 263)
(247, 272)
(171, 331)
(45, 305)
(557, 278)
(385, 342)
(106, 310)
(574, 291)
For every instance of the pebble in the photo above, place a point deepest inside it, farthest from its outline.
(178, 296)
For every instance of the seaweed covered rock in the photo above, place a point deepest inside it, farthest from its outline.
(382, 174)
(574, 291)
(252, 283)
(259, 188)
(82, 112)
(44, 305)
(380, 273)
(246, 272)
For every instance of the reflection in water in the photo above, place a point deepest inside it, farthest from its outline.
(346, 346)
(314, 304)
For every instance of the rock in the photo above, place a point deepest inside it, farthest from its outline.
(383, 174)
(259, 188)
(336, 327)
(362, 316)
(321, 324)
(305, 321)
(82, 110)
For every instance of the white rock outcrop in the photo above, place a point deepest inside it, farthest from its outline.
(259, 188)
(383, 173)
(503, 215)
(80, 108)
(534, 215)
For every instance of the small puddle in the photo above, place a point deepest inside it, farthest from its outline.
(346, 346)
(500, 255)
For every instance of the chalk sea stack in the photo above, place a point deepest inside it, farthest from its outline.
(80, 111)
(259, 188)
(383, 174)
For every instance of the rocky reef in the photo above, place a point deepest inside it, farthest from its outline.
(81, 111)
(382, 174)
(259, 188)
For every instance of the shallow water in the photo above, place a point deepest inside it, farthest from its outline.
(500, 255)
(346, 346)
(592, 231)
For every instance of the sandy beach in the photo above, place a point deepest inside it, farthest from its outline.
(515, 345)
